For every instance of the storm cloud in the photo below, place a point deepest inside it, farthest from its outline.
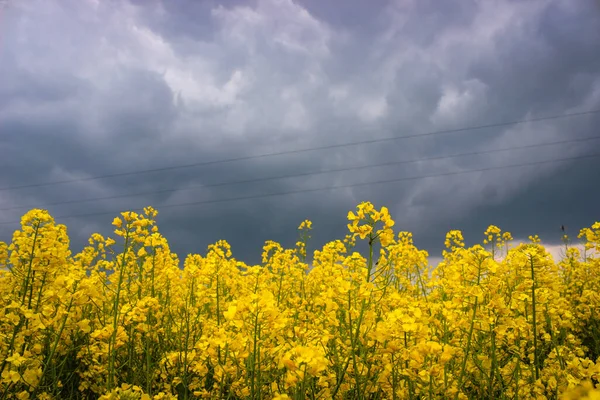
(92, 88)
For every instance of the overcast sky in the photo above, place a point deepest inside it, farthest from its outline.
(99, 87)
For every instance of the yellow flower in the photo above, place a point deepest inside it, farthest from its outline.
(306, 224)
(113, 312)
(84, 325)
(230, 313)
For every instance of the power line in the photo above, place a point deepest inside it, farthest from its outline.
(327, 147)
(320, 172)
(231, 199)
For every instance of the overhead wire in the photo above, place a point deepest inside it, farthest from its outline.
(304, 150)
(334, 187)
(305, 174)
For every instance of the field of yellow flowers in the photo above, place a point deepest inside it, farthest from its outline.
(123, 320)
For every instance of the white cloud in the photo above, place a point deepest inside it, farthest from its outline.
(459, 102)
(282, 22)
(296, 117)
(373, 109)
(338, 93)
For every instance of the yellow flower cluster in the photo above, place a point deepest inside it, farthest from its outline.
(123, 319)
(369, 216)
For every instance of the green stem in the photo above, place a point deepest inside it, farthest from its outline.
(470, 337)
(113, 338)
(535, 349)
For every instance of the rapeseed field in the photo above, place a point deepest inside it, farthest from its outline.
(124, 320)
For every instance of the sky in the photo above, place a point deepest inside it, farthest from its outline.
(90, 88)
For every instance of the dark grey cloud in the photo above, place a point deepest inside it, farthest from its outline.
(93, 88)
